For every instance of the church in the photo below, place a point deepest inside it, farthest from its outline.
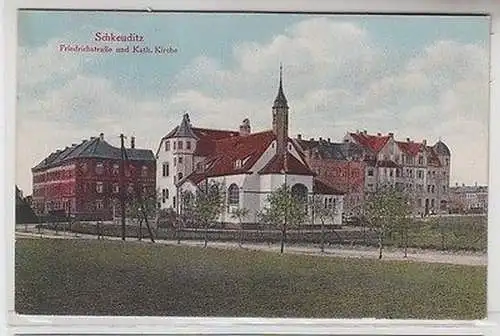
(250, 165)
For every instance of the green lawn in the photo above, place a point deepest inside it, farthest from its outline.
(91, 277)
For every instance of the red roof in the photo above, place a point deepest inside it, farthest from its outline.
(286, 164)
(410, 148)
(207, 138)
(322, 188)
(372, 142)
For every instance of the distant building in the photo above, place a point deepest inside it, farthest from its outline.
(84, 179)
(249, 165)
(416, 167)
(469, 199)
(24, 212)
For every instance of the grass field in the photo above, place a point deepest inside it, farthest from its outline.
(91, 277)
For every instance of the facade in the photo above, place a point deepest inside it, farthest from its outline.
(249, 165)
(420, 169)
(340, 165)
(84, 179)
(469, 199)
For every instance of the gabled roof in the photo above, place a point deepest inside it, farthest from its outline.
(93, 148)
(185, 130)
(410, 148)
(372, 142)
(286, 164)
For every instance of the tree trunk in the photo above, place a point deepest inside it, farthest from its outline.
(283, 239)
(206, 235)
(380, 245)
(140, 230)
(322, 236)
(406, 241)
(240, 241)
(148, 226)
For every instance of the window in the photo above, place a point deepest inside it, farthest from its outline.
(116, 188)
(130, 188)
(116, 169)
(173, 201)
(180, 145)
(188, 144)
(444, 188)
(420, 160)
(99, 187)
(391, 173)
(167, 146)
(428, 188)
(175, 161)
(144, 189)
(233, 195)
(447, 161)
(432, 203)
(179, 176)
(420, 174)
(144, 171)
(164, 195)
(432, 188)
(175, 147)
(99, 168)
(165, 169)
(237, 164)
(99, 204)
(180, 160)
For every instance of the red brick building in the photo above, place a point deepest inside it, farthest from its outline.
(84, 179)
(339, 165)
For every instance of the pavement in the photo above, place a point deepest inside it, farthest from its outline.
(413, 255)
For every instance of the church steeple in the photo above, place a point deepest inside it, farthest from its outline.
(280, 100)
(280, 117)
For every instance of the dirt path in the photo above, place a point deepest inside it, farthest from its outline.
(430, 256)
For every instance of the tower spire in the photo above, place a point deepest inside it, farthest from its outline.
(280, 100)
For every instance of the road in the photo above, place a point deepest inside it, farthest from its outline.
(430, 256)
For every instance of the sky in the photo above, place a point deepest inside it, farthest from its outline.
(418, 77)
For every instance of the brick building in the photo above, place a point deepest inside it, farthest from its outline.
(84, 179)
(469, 199)
(340, 165)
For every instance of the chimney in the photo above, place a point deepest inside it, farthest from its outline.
(101, 136)
(245, 128)
(320, 139)
(329, 140)
(311, 139)
(365, 132)
(132, 142)
(379, 134)
(424, 142)
(299, 136)
(475, 184)
(407, 139)
(391, 134)
(456, 184)
(92, 138)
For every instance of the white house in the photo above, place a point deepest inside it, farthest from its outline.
(250, 165)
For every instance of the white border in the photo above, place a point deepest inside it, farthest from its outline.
(153, 325)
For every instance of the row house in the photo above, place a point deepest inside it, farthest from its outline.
(250, 165)
(416, 167)
(340, 165)
(84, 179)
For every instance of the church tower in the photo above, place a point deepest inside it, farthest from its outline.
(280, 117)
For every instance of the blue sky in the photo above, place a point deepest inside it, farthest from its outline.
(376, 72)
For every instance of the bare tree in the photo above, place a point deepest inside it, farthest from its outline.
(284, 211)
(386, 209)
(324, 210)
(240, 214)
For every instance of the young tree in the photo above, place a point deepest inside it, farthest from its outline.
(143, 206)
(208, 205)
(240, 214)
(324, 211)
(386, 209)
(284, 211)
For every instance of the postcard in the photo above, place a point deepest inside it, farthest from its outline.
(216, 164)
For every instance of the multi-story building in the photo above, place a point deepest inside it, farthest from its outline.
(340, 165)
(469, 199)
(250, 165)
(84, 179)
(420, 169)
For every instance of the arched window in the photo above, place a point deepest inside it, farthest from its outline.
(233, 195)
(299, 191)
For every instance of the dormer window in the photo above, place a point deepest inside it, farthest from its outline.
(237, 164)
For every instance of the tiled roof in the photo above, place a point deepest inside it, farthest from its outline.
(185, 130)
(441, 149)
(373, 142)
(93, 148)
(287, 164)
(322, 188)
(410, 148)
(432, 158)
(233, 155)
